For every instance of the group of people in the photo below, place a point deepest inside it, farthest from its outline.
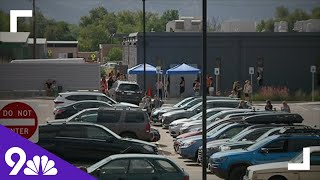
(237, 90)
(285, 107)
(197, 86)
(106, 84)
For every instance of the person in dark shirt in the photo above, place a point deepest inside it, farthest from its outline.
(268, 106)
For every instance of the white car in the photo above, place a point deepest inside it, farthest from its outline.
(71, 97)
(279, 170)
(174, 127)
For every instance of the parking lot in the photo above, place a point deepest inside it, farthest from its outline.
(310, 112)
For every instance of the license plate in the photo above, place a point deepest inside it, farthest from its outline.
(129, 93)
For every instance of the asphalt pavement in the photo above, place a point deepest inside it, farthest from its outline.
(309, 111)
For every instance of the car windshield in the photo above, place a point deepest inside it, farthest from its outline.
(192, 103)
(259, 144)
(129, 87)
(193, 108)
(216, 129)
(184, 101)
(82, 113)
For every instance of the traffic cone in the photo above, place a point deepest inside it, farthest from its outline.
(149, 92)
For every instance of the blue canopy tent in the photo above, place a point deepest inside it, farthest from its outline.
(140, 68)
(183, 69)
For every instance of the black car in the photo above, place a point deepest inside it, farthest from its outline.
(63, 112)
(76, 142)
(126, 91)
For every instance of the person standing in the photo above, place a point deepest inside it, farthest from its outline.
(196, 88)
(103, 85)
(159, 87)
(247, 90)
(211, 88)
(268, 106)
(285, 107)
(182, 86)
(110, 81)
(237, 89)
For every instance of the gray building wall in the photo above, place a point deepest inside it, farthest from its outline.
(286, 56)
(33, 76)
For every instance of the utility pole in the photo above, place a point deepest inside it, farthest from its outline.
(34, 29)
(144, 45)
(204, 89)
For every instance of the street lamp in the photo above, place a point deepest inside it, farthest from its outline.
(34, 29)
(144, 44)
(204, 89)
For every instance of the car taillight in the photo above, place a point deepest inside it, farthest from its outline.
(148, 127)
(185, 177)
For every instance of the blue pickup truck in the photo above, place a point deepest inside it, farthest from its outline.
(232, 164)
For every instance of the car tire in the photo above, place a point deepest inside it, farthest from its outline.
(129, 135)
(238, 172)
(277, 178)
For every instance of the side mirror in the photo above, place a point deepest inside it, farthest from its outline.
(198, 110)
(264, 150)
(98, 172)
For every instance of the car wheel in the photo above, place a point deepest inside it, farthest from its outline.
(237, 173)
(277, 178)
(129, 135)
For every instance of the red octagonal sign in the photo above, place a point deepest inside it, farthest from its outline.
(21, 119)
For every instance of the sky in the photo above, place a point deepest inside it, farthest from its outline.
(72, 10)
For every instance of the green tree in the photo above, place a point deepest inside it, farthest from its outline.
(5, 22)
(315, 13)
(282, 12)
(170, 15)
(115, 54)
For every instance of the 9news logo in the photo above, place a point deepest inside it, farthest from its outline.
(36, 166)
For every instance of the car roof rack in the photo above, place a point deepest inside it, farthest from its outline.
(275, 118)
(299, 130)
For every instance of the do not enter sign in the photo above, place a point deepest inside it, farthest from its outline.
(22, 119)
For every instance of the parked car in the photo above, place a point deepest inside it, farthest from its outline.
(174, 127)
(273, 131)
(214, 126)
(126, 122)
(67, 98)
(279, 170)
(63, 112)
(232, 164)
(126, 91)
(186, 127)
(169, 117)
(189, 147)
(88, 142)
(137, 166)
(156, 116)
(251, 133)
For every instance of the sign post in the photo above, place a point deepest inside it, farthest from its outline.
(21, 119)
(313, 70)
(217, 73)
(158, 68)
(251, 72)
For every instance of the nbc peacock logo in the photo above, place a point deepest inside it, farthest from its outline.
(47, 166)
(36, 166)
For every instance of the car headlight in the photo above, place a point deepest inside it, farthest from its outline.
(219, 160)
(187, 144)
(224, 148)
(148, 148)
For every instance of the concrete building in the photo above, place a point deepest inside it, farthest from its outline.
(238, 26)
(311, 25)
(41, 48)
(283, 58)
(89, 56)
(13, 46)
(184, 24)
(62, 49)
